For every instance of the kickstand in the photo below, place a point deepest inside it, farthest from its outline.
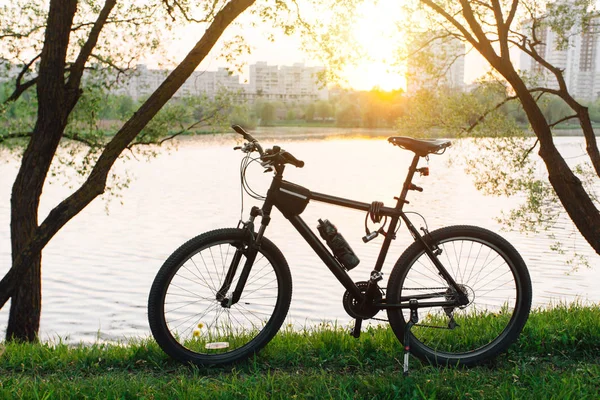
(414, 318)
(356, 331)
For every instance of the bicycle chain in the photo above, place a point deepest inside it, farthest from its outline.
(431, 288)
(425, 326)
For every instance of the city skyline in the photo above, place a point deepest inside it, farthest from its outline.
(286, 83)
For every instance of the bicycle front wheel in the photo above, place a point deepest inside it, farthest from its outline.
(188, 316)
(497, 284)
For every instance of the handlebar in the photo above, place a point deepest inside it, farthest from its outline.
(249, 138)
(292, 160)
(273, 156)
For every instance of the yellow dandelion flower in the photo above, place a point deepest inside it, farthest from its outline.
(200, 325)
(196, 333)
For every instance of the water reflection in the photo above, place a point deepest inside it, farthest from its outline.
(99, 268)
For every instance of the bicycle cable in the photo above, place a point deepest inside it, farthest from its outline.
(422, 217)
(244, 186)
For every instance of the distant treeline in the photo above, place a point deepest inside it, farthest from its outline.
(345, 108)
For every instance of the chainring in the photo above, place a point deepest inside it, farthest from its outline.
(352, 305)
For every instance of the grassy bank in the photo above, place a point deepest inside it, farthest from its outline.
(557, 356)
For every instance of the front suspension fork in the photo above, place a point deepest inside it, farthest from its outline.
(250, 251)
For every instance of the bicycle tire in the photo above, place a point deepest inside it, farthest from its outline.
(497, 283)
(192, 326)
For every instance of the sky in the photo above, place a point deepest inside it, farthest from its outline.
(375, 31)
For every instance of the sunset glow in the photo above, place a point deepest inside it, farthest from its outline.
(377, 36)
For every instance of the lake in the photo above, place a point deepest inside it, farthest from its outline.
(98, 270)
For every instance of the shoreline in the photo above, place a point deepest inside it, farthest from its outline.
(299, 132)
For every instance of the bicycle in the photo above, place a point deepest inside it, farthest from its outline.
(223, 295)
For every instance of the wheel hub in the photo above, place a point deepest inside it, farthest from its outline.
(355, 309)
(451, 295)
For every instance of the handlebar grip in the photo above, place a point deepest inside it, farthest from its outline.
(242, 132)
(248, 137)
(293, 160)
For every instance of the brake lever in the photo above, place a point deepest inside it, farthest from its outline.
(246, 148)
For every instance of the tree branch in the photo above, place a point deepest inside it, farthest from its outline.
(116, 21)
(502, 28)
(78, 66)
(485, 47)
(544, 90)
(427, 43)
(552, 125)
(19, 90)
(529, 151)
(17, 135)
(483, 116)
(435, 7)
(17, 35)
(183, 11)
(76, 138)
(19, 87)
(563, 93)
(482, 4)
(114, 66)
(499, 17)
(512, 13)
(182, 131)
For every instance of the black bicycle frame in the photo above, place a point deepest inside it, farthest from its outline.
(278, 185)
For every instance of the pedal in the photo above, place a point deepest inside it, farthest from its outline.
(357, 325)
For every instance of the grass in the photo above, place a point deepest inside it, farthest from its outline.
(557, 356)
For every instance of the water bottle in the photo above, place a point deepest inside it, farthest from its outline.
(336, 242)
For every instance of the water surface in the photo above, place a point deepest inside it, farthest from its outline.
(98, 270)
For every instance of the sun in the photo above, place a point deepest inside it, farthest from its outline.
(376, 34)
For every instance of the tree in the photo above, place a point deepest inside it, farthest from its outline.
(348, 115)
(491, 28)
(323, 110)
(267, 113)
(70, 43)
(309, 112)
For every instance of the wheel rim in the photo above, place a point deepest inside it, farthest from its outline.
(199, 322)
(491, 284)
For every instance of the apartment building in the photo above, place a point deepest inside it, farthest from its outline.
(436, 63)
(579, 58)
(288, 84)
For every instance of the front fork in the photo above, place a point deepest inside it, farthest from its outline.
(249, 248)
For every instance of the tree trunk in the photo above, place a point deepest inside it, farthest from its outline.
(26, 306)
(26, 303)
(569, 189)
(23, 281)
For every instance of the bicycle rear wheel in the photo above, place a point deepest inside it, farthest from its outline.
(188, 317)
(497, 284)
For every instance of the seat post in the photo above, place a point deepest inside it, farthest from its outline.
(407, 183)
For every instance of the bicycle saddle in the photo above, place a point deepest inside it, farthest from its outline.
(421, 147)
